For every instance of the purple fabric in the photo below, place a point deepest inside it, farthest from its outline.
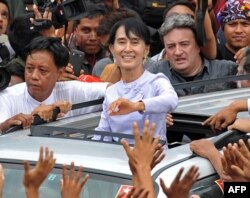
(234, 9)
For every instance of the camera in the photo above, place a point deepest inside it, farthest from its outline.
(4, 78)
(61, 13)
(77, 59)
(6, 51)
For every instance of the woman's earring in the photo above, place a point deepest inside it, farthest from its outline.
(114, 59)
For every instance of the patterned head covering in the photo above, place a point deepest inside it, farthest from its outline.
(234, 9)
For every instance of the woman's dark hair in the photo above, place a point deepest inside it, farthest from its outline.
(52, 45)
(177, 3)
(131, 25)
(113, 17)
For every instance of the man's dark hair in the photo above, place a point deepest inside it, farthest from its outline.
(21, 33)
(53, 45)
(92, 11)
(176, 3)
(16, 69)
(131, 25)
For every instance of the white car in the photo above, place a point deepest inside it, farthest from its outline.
(106, 162)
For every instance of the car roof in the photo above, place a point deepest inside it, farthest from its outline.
(210, 103)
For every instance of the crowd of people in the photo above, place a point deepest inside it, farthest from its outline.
(105, 52)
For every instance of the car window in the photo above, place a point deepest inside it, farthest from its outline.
(98, 185)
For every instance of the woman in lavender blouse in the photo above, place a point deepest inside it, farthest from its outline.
(139, 95)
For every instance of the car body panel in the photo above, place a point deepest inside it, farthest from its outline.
(210, 103)
(110, 159)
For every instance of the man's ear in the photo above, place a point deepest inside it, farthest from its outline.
(60, 72)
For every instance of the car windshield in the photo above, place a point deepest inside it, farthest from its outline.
(98, 185)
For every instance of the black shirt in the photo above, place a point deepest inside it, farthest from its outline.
(224, 54)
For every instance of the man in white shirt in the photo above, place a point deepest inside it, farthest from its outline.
(46, 59)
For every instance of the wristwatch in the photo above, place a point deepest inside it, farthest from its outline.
(143, 111)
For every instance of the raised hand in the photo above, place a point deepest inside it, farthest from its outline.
(180, 188)
(240, 56)
(145, 148)
(33, 178)
(72, 184)
(67, 73)
(236, 162)
(144, 156)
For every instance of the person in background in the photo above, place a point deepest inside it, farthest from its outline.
(85, 45)
(4, 16)
(185, 63)
(189, 7)
(139, 95)
(235, 22)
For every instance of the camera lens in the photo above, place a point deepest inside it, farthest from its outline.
(4, 78)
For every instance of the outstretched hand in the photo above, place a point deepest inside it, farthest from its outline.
(72, 184)
(147, 152)
(33, 178)
(221, 120)
(236, 162)
(180, 188)
(124, 106)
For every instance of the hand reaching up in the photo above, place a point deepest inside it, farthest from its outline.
(33, 178)
(72, 184)
(180, 188)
